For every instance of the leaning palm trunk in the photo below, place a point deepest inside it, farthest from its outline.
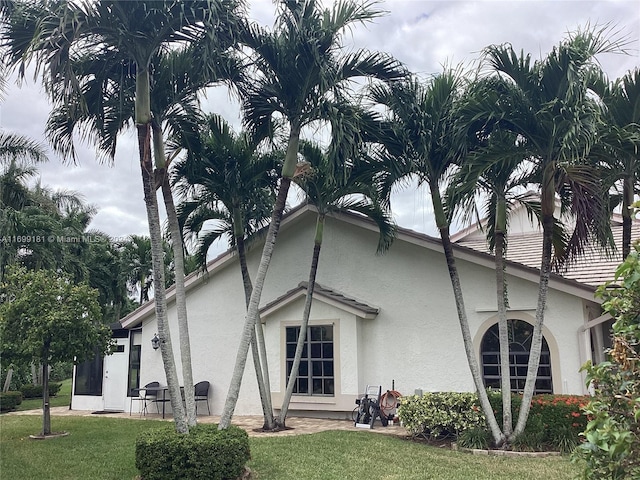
(181, 302)
(143, 124)
(445, 239)
(288, 172)
(252, 310)
(501, 296)
(265, 392)
(302, 335)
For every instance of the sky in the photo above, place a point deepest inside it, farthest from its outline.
(425, 35)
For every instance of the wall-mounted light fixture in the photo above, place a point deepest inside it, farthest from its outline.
(155, 342)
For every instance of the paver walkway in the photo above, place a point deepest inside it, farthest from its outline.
(251, 423)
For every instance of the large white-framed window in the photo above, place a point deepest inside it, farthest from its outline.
(520, 335)
(316, 373)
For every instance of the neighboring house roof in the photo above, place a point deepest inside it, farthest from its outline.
(477, 255)
(325, 294)
(593, 267)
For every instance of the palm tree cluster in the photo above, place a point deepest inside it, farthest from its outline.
(50, 229)
(555, 126)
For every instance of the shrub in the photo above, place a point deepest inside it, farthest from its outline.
(35, 391)
(555, 421)
(474, 437)
(10, 400)
(205, 453)
(440, 414)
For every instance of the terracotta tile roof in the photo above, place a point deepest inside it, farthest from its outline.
(593, 268)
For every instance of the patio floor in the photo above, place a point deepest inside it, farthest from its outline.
(251, 423)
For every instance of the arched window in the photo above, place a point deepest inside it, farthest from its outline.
(520, 334)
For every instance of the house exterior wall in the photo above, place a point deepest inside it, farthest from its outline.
(413, 342)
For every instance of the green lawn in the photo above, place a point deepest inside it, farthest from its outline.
(103, 448)
(62, 399)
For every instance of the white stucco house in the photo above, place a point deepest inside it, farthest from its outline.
(376, 319)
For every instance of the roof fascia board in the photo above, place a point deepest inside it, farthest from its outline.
(302, 292)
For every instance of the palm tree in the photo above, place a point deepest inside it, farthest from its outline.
(137, 265)
(300, 68)
(496, 174)
(620, 146)
(135, 30)
(17, 156)
(354, 191)
(421, 139)
(555, 115)
(229, 183)
(175, 109)
(18, 148)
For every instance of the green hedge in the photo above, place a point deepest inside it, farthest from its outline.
(555, 421)
(440, 414)
(10, 400)
(205, 453)
(35, 391)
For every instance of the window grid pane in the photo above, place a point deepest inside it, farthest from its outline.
(315, 375)
(518, 359)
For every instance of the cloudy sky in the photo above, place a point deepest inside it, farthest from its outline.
(423, 34)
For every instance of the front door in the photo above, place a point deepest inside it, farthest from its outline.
(115, 377)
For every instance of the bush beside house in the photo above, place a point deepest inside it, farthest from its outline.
(555, 421)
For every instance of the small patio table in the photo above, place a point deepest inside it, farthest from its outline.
(162, 389)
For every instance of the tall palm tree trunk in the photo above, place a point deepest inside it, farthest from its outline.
(143, 125)
(265, 393)
(536, 340)
(46, 407)
(177, 247)
(627, 201)
(302, 335)
(547, 200)
(181, 302)
(503, 334)
(445, 239)
(288, 171)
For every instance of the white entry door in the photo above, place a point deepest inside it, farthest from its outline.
(116, 368)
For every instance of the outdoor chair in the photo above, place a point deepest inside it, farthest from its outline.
(143, 395)
(201, 394)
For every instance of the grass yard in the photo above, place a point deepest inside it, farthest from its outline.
(62, 399)
(103, 449)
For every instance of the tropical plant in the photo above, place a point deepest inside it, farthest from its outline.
(45, 317)
(420, 138)
(353, 191)
(58, 36)
(137, 265)
(496, 174)
(18, 154)
(300, 69)
(554, 114)
(619, 149)
(228, 184)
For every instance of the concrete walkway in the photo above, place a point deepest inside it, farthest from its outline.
(252, 424)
